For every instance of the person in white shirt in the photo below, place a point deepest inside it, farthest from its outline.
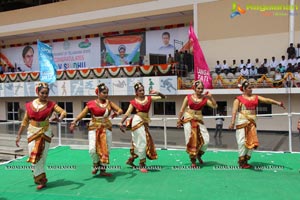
(292, 60)
(233, 68)
(249, 64)
(277, 78)
(241, 65)
(256, 64)
(225, 68)
(244, 72)
(298, 50)
(218, 67)
(283, 62)
(273, 64)
(297, 77)
(219, 125)
(253, 72)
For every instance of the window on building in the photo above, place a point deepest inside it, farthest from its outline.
(68, 107)
(208, 111)
(83, 106)
(222, 107)
(264, 108)
(13, 110)
(164, 108)
(124, 106)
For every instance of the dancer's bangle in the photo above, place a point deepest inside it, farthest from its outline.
(74, 123)
(179, 122)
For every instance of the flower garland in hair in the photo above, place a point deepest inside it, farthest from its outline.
(41, 85)
(100, 87)
(196, 83)
(137, 85)
(244, 85)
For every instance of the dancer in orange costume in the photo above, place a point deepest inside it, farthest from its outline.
(100, 128)
(142, 144)
(39, 134)
(190, 117)
(244, 117)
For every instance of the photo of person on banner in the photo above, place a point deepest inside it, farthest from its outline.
(27, 55)
(122, 50)
(27, 58)
(166, 48)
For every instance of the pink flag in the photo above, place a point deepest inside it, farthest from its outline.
(201, 68)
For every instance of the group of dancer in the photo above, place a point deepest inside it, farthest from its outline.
(39, 111)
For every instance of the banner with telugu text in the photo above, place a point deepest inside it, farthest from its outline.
(201, 68)
(77, 54)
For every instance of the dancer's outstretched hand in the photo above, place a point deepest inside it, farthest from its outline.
(122, 127)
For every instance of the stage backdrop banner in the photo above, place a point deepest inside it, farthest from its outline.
(46, 62)
(77, 54)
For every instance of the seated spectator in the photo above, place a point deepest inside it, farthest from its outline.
(289, 80)
(262, 69)
(265, 63)
(298, 50)
(245, 72)
(253, 72)
(298, 59)
(292, 60)
(273, 64)
(233, 68)
(281, 68)
(277, 78)
(225, 68)
(290, 68)
(297, 68)
(256, 63)
(218, 67)
(249, 64)
(283, 61)
(297, 77)
(241, 65)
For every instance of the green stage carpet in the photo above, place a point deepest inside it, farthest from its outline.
(275, 176)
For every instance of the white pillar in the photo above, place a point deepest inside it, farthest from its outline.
(195, 13)
(292, 22)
